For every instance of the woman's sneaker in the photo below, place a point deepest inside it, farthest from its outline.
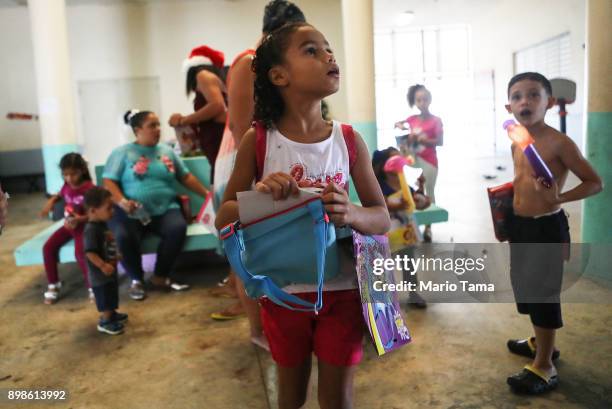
(177, 286)
(52, 294)
(119, 317)
(110, 327)
(137, 291)
(92, 297)
(166, 284)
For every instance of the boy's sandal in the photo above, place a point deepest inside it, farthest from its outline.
(527, 347)
(532, 381)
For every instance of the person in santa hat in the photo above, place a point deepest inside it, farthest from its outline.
(206, 79)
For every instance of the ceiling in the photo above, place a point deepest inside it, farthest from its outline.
(12, 3)
(17, 3)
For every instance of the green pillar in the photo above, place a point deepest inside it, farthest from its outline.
(596, 210)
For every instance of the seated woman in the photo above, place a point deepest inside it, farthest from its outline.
(140, 177)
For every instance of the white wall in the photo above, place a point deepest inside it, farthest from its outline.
(140, 40)
(17, 80)
(499, 28)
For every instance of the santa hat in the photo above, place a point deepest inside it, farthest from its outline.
(203, 55)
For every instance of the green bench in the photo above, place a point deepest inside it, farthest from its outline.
(31, 253)
(199, 237)
(433, 214)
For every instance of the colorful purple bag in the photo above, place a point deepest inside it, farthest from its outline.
(381, 310)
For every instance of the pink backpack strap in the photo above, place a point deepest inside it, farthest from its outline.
(260, 147)
(349, 139)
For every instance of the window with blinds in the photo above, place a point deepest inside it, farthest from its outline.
(551, 58)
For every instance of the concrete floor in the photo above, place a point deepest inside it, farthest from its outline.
(173, 356)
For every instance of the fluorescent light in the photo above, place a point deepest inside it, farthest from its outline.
(404, 18)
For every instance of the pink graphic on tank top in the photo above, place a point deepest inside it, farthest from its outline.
(300, 173)
(297, 172)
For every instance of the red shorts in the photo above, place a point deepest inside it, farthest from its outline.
(335, 334)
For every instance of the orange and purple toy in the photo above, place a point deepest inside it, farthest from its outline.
(521, 136)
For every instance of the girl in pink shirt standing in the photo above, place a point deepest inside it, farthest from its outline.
(427, 133)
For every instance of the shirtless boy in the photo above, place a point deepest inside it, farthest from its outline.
(536, 269)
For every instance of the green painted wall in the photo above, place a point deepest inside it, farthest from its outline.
(597, 210)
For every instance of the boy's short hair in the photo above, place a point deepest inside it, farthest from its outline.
(95, 197)
(532, 76)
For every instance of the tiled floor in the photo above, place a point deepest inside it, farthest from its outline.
(173, 356)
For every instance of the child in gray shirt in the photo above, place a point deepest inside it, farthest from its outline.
(101, 253)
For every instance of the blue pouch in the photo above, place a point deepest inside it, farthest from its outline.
(296, 246)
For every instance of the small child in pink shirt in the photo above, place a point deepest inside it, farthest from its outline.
(77, 181)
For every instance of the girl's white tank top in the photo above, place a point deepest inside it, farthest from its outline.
(309, 164)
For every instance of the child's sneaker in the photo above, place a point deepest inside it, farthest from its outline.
(119, 317)
(52, 294)
(92, 297)
(110, 327)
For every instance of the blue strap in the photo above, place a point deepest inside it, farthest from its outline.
(321, 225)
(233, 242)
